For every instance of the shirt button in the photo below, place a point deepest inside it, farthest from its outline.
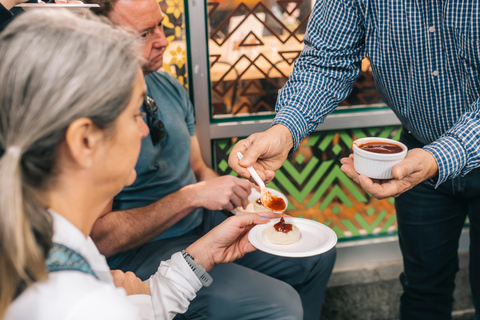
(435, 73)
(431, 29)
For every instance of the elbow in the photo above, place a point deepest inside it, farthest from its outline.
(102, 241)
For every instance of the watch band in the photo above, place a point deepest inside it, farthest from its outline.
(199, 271)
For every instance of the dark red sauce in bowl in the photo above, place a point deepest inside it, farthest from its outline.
(381, 147)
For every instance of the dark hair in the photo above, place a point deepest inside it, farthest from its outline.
(106, 6)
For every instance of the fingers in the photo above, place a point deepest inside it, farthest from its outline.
(242, 191)
(384, 188)
(145, 288)
(252, 148)
(248, 247)
(271, 215)
(404, 169)
(130, 276)
(349, 170)
(260, 171)
(232, 204)
(237, 191)
(233, 160)
(406, 174)
(269, 175)
(255, 186)
(348, 160)
(253, 151)
(380, 189)
(244, 184)
(130, 282)
(118, 277)
(417, 162)
(247, 218)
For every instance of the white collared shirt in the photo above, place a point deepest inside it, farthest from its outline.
(73, 295)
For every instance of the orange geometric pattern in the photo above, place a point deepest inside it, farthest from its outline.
(252, 50)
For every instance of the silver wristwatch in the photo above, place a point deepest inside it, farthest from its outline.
(199, 271)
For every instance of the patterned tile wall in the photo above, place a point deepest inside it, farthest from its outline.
(253, 45)
(175, 57)
(317, 189)
(311, 178)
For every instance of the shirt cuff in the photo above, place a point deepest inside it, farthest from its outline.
(172, 287)
(185, 269)
(293, 119)
(450, 156)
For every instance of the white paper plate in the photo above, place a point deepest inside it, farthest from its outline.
(74, 7)
(254, 195)
(316, 238)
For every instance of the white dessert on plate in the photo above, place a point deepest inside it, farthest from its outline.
(283, 233)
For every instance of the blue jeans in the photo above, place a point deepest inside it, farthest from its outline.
(257, 286)
(429, 225)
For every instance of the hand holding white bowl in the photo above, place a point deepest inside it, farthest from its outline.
(418, 165)
(375, 157)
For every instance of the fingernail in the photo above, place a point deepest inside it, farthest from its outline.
(265, 217)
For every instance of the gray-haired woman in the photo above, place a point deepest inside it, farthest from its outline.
(71, 92)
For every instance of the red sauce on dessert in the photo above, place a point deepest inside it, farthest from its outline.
(381, 147)
(273, 202)
(281, 226)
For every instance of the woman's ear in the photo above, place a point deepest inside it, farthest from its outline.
(82, 140)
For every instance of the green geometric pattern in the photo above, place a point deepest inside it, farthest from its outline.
(317, 189)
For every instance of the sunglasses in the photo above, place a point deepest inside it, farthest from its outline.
(157, 129)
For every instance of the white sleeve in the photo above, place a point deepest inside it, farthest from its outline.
(105, 303)
(172, 287)
(143, 305)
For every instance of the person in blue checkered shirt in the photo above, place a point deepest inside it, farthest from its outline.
(425, 58)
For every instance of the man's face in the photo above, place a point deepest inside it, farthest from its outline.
(146, 18)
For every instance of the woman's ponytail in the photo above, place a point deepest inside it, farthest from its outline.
(21, 258)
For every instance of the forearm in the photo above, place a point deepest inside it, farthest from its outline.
(202, 254)
(200, 169)
(326, 70)
(457, 152)
(205, 174)
(119, 231)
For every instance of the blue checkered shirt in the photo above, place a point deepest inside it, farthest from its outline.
(425, 58)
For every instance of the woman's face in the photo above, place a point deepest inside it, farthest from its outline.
(123, 143)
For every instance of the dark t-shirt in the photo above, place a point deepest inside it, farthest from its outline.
(165, 168)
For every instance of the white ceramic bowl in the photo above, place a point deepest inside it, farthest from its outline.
(376, 165)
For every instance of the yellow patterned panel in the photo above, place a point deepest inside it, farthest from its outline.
(175, 57)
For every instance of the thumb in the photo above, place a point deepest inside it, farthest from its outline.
(252, 219)
(402, 170)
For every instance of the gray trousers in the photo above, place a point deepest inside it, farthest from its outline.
(258, 286)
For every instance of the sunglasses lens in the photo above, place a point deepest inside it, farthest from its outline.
(157, 129)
